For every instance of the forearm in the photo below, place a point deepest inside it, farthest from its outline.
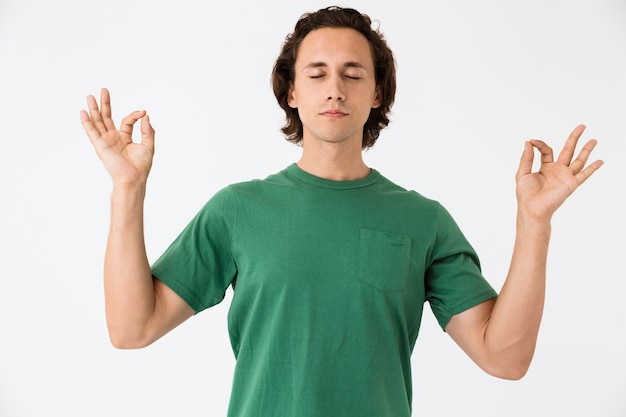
(511, 333)
(128, 283)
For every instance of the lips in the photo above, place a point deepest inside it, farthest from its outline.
(335, 114)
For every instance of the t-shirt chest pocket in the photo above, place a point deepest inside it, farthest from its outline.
(384, 260)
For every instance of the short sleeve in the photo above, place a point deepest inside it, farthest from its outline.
(199, 264)
(454, 281)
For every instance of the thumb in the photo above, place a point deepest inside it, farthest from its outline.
(147, 132)
(526, 162)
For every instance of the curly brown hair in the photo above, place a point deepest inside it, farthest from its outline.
(283, 73)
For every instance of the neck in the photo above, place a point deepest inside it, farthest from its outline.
(333, 161)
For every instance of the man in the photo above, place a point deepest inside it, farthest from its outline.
(330, 262)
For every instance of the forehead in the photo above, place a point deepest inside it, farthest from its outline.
(335, 45)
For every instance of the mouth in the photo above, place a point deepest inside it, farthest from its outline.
(334, 114)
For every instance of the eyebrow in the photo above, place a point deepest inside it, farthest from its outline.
(349, 64)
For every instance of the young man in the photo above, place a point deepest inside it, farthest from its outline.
(330, 262)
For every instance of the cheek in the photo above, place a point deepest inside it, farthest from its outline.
(302, 97)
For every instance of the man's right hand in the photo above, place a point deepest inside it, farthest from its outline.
(127, 162)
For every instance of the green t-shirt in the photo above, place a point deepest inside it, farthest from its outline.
(329, 279)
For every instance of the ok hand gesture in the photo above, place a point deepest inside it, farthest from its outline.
(540, 194)
(127, 162)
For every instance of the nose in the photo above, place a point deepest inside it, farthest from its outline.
(335, 89)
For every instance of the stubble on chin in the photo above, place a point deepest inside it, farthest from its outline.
(334, 135)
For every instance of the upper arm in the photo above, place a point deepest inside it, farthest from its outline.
(170, 310)
(468, 330)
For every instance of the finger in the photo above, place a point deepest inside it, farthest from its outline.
(578, 164)
(526, 162)
(105, 109)
(89, 127)
(567, 153)
(547, 155)
(94, 114)
(147, 133)
(126, 127)
(587, 172)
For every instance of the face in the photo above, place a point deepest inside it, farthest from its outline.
(334, 88)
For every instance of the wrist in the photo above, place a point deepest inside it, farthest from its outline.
(528, 223)
(129, 188)
(128, 193)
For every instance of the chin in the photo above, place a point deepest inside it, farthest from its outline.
(336, 137)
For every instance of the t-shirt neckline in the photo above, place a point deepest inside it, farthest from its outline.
(295, 171)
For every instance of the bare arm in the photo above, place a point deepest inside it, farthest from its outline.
(139, 308)
(500, 335)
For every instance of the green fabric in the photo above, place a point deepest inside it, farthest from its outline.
(329, 279)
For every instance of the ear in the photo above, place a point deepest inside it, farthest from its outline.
(291, 98)
(378, 98)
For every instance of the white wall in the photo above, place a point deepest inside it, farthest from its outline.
(475, 80)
